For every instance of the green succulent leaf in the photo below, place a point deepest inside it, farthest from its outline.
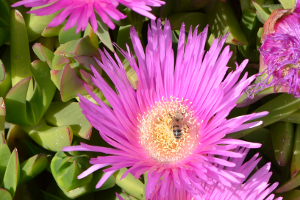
(130, 184)
(68, 35)
(79, 47)
(221, 20)
(2, 71)
(4, 158)
(295, 164)
(5, 84)
(71, 84)
(20, 54)
(93, 36)
(52, 31)
(282, 140)
(37, 24)
(43, 53)
(2, 117)
(59, 62)
(60, 114)
(5, 195)
(32, 167)
(12, 173)
(278, 108)
(288, 4)
(51, 138)
(103, 34)
(21, 111)
(262, 13)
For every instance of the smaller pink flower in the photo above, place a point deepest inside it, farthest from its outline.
(80, 12)
(280, 53)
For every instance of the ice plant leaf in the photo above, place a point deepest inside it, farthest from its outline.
(278, 108)
(51, 138)
(191, 19)
(5, 195)
(295, 163)
(78, 47)
(59, 62)
(288, 4)
(32, 167)
(4, 10)
(66, 168)
(52, 31)
(12, 173)
(2, 118)
(68, 35)
(60, 114)
(43, 53)
(5, 85)
(4, 158)
(131, 185)
(293, 118)
(282, 140)
(71, 84)
(262, 13)
(15, 101)
(19, 52)
(103, 34)
(221, 18)
(37, 24)
(289, 185)
(2, 71)
(93, 36)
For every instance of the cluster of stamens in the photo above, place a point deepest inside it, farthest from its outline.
(157, 130)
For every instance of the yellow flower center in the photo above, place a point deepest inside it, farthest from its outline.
(169, 131)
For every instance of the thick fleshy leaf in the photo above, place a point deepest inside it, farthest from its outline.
(2, 116)
(19, 54)
(59, 62)
(2, 71)
(21, 111)
(12, 173)
(60, 114)
(71, 84)
(5, 195)
(282, 139)
(278, 108)
(4, 10)
(51, 138)
(291, 195)
(4, 35)
(103, 34)
(262, 13)
(5, 85)
(250, 26)
(130, 184)
(288, 4)
(65, 170)
(222, 19)
(80, 47)
(52, 31)
(68, 35)
(32, 167)
(4, 158)
(190, 19)
(43, 53)
(37, 24)
(15, 101)
(93, 36)
(289, 185)
(295, 164)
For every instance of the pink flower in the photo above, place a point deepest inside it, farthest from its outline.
(254, 187)
(80, 12)
(173, 125)
(280, 52)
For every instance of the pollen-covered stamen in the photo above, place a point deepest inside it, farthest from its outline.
(169, 131)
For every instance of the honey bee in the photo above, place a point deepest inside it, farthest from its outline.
(178, 124)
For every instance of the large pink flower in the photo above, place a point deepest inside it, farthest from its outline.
(173, 125)
(80, 12)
